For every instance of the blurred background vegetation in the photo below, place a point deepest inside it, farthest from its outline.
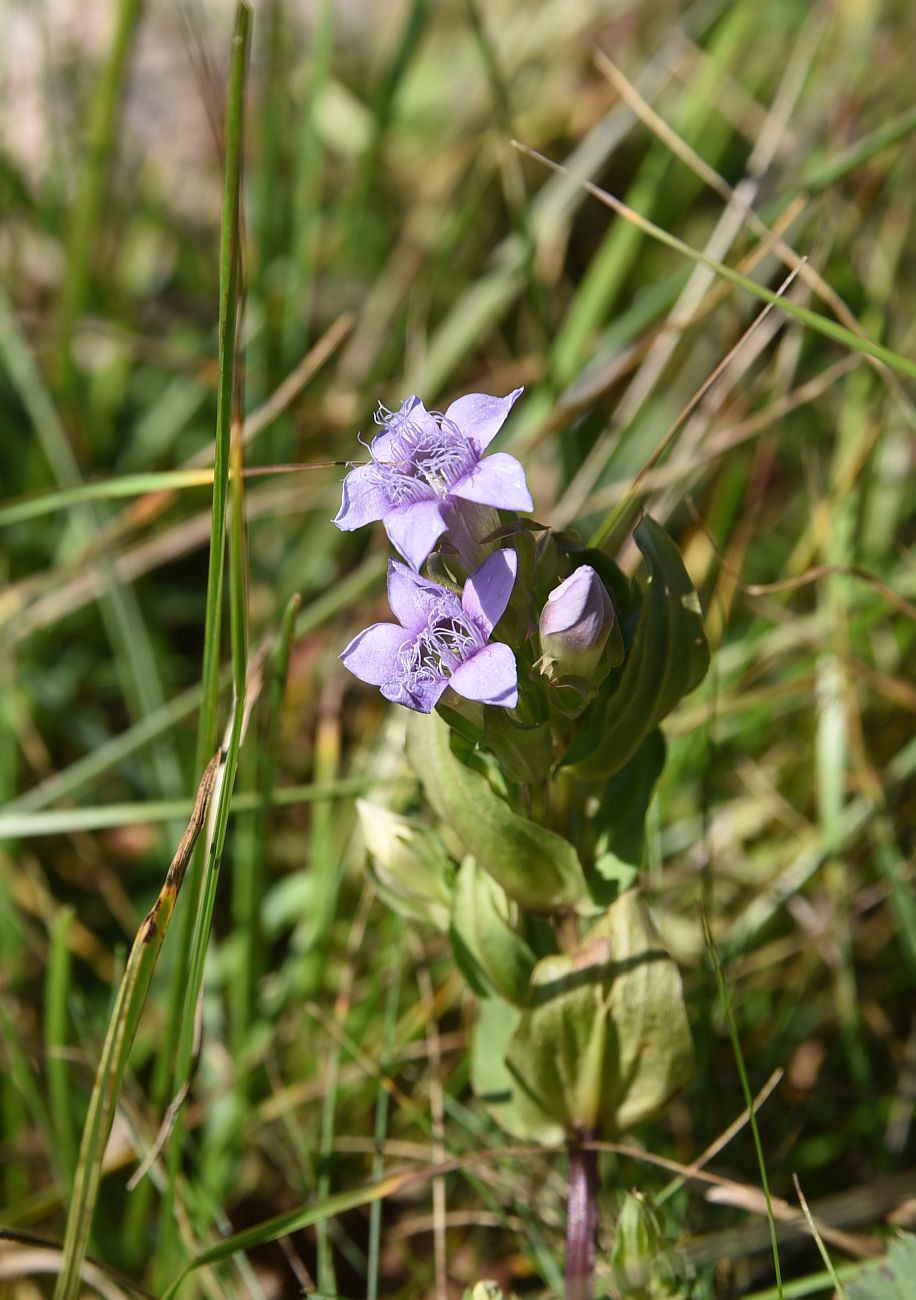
(394, 242)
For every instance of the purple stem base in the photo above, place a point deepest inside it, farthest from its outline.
(581, 1221)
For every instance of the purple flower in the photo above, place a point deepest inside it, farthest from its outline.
(440, 639)
(423, 464)
(575, 624)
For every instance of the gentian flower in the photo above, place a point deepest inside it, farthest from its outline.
(440, 639)
(575, 624)
(423, 465)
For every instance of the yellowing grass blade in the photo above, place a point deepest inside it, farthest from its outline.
(121, 1029)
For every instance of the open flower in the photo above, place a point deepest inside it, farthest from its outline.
(423, 464)
(440, 639)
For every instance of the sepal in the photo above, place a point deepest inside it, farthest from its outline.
(604, 1041)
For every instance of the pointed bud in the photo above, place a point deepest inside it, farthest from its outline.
(410, 867)
(575, 625)
(644, 1265)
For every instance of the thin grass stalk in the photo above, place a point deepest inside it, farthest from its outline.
(122, 1027)
(247, 880)
(56, 1035)
(13, 1112)
(748, 1096)
(195, 924)
(306, 214)
(383, 1104)
(382, 110)
(90, 196)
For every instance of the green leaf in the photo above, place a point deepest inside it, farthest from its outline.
(621, 818)
(537, 868)
(668, 659)
(524, 751)
(491, 1081)
(890, 1278)
(604, 1042)
(485, 938)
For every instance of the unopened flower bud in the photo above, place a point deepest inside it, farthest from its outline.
(485, 1291)
(410, 868)
(643, 1264)
(575, 625)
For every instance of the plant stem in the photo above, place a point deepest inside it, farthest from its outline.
(581, 1219)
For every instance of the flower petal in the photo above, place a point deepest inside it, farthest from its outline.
(372, 656)
(498, 480)
(487, 591)
(422, 699)
(480, 417)
(414, 529)
(411, 596)
(411, 411)
(363, 501)
(489, 676)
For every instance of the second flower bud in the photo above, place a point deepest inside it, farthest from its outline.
(575, 625)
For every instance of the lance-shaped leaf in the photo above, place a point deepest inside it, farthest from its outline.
(620, 820)
(493, 1086)
(537, 868)
(493, 956)
(668, 659)
(604, 1042)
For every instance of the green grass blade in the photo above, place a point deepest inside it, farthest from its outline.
(128, 485)
(194, 927)
(814, 320)
(248, 877)
(748, 1096)
(113, 1062)
(382, 111)
(230, 243)
(90, 196)
(282, 1225)
(86, 770)
(383, 1104)
(60, 1088)
(102, 817)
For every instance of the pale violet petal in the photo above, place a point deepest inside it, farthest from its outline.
(487, 591)
(480, 417)
(414, 529)
(497, 480)
(363, 501)
(489, 676)
(423, 698)
(372, 656)
(411, 411)
(411, 597)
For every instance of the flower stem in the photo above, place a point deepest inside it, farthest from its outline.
(581, 1219)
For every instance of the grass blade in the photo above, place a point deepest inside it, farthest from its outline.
(195, 928)
(814, 320)
(90, 196)
(748, 1095)
(121, 1029)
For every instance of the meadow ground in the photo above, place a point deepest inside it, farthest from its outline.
(393, 241)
